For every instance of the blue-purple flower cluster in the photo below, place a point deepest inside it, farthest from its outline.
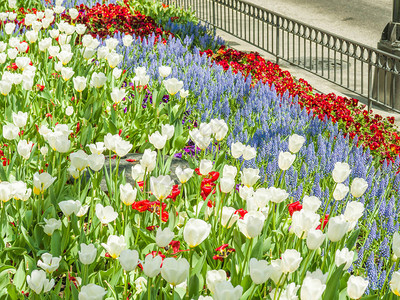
(264, 120)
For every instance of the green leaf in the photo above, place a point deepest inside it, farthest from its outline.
(257, 249)
(332, 286)
(194, 286)
(13, 293)
(352, 239)
(19, 277)
(56, 243)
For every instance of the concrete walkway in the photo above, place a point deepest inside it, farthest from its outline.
(346, 18)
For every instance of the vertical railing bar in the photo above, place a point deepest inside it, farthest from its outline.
(385, 85)
(362, 77)
(305, 49)
(334, 59)
(341, 67)
(277, 40)
(316, 53)
(348, 70)
(355, 73)
(369, 80)
(310, 48)
(298, 48)
(294, 45)
(288, 44)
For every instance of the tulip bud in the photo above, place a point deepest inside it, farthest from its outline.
(337, 228)
(116, 73)
(312, 289)
(340, 172)
(249, 176)
(9, 28)
(157, 140)
(51, 226)
(167, 130)
(396, 244)
(229, 171)
(252, 224)
(291, 260)
(87, 254)
(164, 237)
(195, 232)
(164, 71)
(358, 187)
(127, 193)
(148, 160)
(214, 277)
(311, 203)
(259, 271)
(345, 257)
(161, 186)
(340, 191)
(79, 83)
(73, 12)
(96, 161)
(137, 172)
(175, 271)
(295, 143)
(24, 148)
(227, 184)
(225, 290)
(315, 238)
(127, 40)
(395, 283)
(70, 207)
(10, 132)
(356, 286)
(152, 265)
(285, 160)
(228, 215)
(129, 259)
(92, 291)
(205, 167)
(237, 149)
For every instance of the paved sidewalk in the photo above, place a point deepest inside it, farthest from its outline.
(317, 82)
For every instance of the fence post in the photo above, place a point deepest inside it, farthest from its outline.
(277, 40)
(369, 81)
(213, 13)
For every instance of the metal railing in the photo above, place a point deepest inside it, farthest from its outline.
(363, 70)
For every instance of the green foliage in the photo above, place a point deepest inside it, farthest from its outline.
(161, 12)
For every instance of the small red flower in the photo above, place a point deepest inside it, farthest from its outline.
(295, 206)
(242, 212)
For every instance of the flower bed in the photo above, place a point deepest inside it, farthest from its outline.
(372, 131)
(232, 221)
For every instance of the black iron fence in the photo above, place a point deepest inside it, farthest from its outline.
(363, 70)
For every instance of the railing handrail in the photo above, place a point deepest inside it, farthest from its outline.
(314, 28)
(364, 70)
